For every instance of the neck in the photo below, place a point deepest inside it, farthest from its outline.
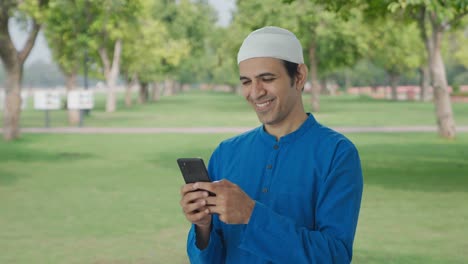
(280, 130)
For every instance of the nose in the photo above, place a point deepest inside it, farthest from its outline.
(257, 90)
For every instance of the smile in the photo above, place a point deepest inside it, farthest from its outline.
(264, 104)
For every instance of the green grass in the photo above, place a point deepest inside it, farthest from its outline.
(114, 198)
(220, 109)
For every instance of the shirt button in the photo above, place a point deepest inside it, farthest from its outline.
(264, 190)
(269, 166)
(276, 147)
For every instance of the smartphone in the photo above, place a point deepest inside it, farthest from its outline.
(193, 170)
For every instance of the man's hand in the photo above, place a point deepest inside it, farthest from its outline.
(231, 203)
(193, 203)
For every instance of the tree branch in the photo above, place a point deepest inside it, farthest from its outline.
(8, 51)
(421, 18)
(116, 58)
(105, 60)
(23, 54)
(455, 19)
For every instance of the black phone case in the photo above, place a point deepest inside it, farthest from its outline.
(193, 170)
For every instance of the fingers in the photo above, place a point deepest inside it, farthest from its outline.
(186, 188)
(192, 197)
(198, 216)
(212, 186)
(208, 186)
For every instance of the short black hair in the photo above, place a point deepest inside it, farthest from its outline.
(292, 69)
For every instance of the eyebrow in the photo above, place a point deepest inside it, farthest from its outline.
(261, 75)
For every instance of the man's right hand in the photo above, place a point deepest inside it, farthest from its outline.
(195, 208)
(193, 203)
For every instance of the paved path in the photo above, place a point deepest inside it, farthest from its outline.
(216, 130)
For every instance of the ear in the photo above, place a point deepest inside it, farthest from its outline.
(301, 77)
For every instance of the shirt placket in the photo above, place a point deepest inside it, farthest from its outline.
(269, 169)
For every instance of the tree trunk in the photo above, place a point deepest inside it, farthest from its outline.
(131, 82)
(425, 71)
(70, 84)
(128, 95)
(156, 92)
(111, 71)
(13, 61)
(144, 93)
(394, 79)
(347, 79)
(315, 92)
(12, 108)
(443, 105)
(177, 87)
(168, 87)
(424, 83)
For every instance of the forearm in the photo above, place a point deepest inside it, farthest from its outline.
(270, 231)
(202, 236)
(211, 252)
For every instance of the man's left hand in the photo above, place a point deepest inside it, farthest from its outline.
(231, 203)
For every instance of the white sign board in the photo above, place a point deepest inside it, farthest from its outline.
(24, 100)
(47, 100)
(80, 99)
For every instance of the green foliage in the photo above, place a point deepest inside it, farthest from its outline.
(396, 46)
(443, 15)
(340, 43)
(76, 28)
(66, 33)
(460, 79)
(190, 24)
(366, 73)
(443, 11)
(457, 41)
(35, 9)
(149, 47)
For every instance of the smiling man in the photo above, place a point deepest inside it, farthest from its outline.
(288, 191)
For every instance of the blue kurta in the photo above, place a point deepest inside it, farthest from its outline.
(307, 187)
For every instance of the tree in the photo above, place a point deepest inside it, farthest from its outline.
(108, 29)
(66, 33)
(331, 41)
(193, 21)
(441, 16)
(149, 51)
(13, 60)
(395, 47)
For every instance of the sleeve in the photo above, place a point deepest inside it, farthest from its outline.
(214, 252)
(331, 239)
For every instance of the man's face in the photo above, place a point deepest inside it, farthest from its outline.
(267, 87)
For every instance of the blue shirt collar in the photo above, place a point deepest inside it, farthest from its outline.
(291, 137)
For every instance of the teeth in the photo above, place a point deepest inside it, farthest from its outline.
(264, 104)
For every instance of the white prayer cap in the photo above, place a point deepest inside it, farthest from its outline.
(272, 42)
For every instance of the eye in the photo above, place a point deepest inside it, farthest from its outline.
(268, 80)
(246, 82)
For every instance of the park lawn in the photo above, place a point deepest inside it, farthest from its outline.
(202, 109)
(114, 198)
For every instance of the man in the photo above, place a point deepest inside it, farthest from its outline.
(286, 192)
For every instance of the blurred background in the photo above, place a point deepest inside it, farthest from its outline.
(99, 99)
